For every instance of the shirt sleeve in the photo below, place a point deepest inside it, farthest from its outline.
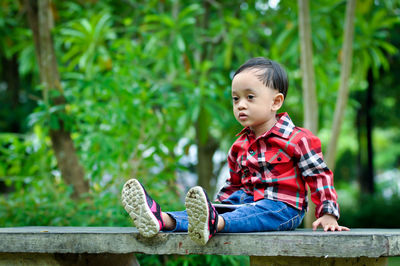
(317, 175)
(233, 183)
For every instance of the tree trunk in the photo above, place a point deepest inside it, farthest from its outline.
(368, 185)
(206, 147)
(205, 167)
(345, 72)
(206, 144)
(364, 134)
(40, 19)
(11, 76)
(310, 105)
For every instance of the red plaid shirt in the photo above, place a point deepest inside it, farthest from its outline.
(278, 164)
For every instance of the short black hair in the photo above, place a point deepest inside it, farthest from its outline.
(271, 73)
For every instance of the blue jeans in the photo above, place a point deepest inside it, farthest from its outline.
(260, 216)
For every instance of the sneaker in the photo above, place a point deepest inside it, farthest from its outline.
(203, 218)
(144, 211)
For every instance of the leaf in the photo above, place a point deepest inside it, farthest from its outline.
(187, 22)
(86, 25)
(36, 117)
(152, 18)
(180, 43)
(191, 10)
(375, 57)
(70, 32)
(391, 49)
(167, 21)
(228, 54)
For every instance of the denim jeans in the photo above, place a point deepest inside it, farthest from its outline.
(260, 216)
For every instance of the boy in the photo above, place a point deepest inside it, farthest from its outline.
(270, 164)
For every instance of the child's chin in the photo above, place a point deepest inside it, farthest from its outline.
(244, 124)
(240, 122)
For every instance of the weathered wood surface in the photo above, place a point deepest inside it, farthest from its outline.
(307, 261)
(67, 259)
(372, 243)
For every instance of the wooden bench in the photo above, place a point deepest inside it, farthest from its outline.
(117, 246)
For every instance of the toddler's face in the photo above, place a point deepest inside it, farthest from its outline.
(254, 104)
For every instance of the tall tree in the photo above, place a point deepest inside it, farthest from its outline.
(343, 95)
(40, 21)
(206, 143)
(364, 123)
(310, 105)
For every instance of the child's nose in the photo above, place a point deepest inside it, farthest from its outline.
(241, 105)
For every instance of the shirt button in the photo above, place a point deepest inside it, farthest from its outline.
(251, 152)
(279, 159)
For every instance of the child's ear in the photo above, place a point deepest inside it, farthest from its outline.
(278, 101)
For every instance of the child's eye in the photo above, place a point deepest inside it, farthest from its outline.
(235, 98)
(250, 97)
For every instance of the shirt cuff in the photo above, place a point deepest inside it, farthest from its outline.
(329, 207)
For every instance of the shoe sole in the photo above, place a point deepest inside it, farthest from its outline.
(135, 203)
(197, 210)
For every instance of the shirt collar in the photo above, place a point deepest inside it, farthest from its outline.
(283, 127)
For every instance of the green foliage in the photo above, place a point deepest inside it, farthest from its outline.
(25, 158)
(178, 260)
(371, 48)
(389, 141)
(372, 211)
(376, 210)
(45, 202)
(85, 42)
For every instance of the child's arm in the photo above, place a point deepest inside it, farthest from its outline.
(328, 222)
(320, 180)
(233, 183)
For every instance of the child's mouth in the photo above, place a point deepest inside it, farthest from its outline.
(242, 116)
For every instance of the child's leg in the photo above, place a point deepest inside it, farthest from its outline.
(239, 197)
(144, 211)
(147, 214)
(178, 221)
(263, 215)
(203, 218)
(169, 222)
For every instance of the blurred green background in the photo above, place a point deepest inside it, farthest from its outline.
(146, 89)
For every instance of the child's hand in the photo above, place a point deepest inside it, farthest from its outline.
(328, 222)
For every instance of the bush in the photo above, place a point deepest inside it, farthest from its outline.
(372, 211)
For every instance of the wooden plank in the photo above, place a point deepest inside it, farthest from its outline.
(301, 261)
(373, 243)
(43, 259)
